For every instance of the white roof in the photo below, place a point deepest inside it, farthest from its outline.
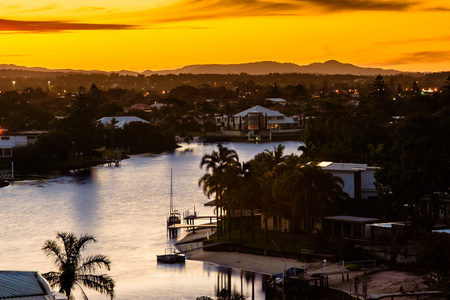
(281, 100)
(121, 121)
(26, 285)
(442, 231)
(259, 110)
(353, 219)
(345, 167)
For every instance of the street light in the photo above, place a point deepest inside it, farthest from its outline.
(14, 85)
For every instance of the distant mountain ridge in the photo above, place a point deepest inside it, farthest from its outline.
(331, 67)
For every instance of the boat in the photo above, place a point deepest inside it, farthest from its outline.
(174, 215)
(289, 273)
(171, 256)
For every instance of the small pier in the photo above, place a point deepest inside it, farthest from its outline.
(190, 217)
(318, 281)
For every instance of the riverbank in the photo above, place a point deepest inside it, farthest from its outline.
(380, 282)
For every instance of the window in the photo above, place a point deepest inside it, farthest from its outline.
(5, 138)
(5, 152)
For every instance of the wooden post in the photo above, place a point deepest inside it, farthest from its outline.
(12, 171)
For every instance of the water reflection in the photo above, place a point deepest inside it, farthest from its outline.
(126, 209)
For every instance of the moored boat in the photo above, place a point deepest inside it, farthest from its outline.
(171, 256)
(289, 273)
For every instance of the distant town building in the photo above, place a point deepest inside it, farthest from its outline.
(121, 121)
(277, 101)
(142, 106)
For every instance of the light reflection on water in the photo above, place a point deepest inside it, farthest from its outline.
(125, 208)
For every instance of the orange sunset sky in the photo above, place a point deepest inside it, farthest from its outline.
(138, 35)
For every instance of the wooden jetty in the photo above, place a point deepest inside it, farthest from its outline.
(192, 227)
(190, 217)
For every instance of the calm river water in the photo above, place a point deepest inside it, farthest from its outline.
(125, 208)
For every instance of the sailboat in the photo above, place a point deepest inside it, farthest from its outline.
(174, 215)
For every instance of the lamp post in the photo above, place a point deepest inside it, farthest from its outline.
(14, 85)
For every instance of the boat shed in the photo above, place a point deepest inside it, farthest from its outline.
(25, 285)
(349, 226)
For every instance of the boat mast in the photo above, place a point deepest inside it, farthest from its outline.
(171, 193)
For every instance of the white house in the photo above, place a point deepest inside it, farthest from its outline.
(258, 118)
(121, 121)
(26, 286)
(359, 180)
(8, 141)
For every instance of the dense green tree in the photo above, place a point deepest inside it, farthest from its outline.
(141, 137)
(264, 165)
(54, 146)
(73, 268)
(417, 165)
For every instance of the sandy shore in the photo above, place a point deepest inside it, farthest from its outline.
(382, 282)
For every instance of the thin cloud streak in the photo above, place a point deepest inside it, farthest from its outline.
(419, 57)
(414, 41)
(91, 8)
(42, 8)
(192, 10)
(361, 5)
(56, 26)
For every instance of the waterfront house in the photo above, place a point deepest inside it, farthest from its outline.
(359, 180)
(359, 184)
(10, 140)
(259, 122)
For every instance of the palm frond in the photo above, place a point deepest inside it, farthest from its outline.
(53, 250)
(68, 239)
(103, 284)
(83, 241)
(90, 263)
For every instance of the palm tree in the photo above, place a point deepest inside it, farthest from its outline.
(287, 189)
(216, 163)
(73, 268)
(269, 160)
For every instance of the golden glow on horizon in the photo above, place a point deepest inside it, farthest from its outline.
(140, 35)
